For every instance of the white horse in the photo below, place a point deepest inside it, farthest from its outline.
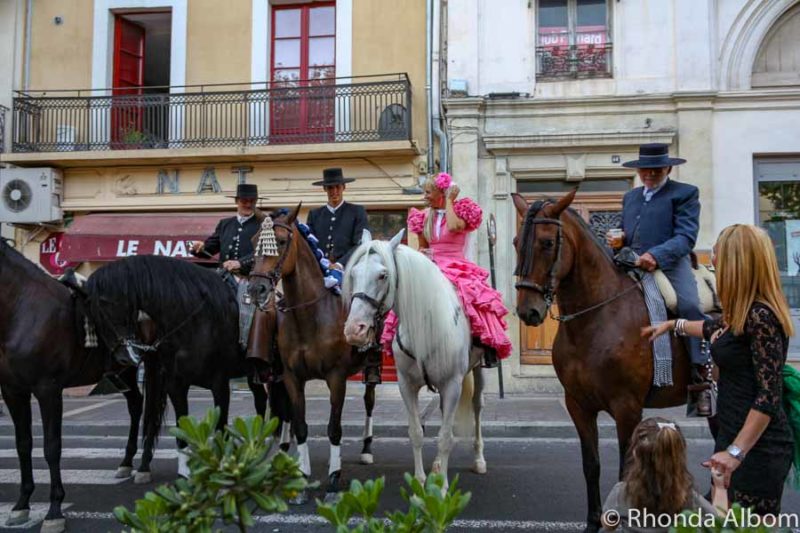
(433, 342)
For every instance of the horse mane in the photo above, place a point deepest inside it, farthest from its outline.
(525, 260)
(424, 300)
(169, 290)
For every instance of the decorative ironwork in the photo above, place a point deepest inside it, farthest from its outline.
(371, 108)
(602, 221)
(3, 110)
(574, 61)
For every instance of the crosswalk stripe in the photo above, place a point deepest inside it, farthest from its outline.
(37, 514)
(69, 477)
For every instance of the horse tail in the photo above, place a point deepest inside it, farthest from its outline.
(155, 396)
(464, 423)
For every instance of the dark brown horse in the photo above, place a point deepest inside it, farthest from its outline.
(598, 354)
(41, 353)
(310, 338)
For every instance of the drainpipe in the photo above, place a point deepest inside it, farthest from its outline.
(436, 117)
(28, 23)
(433, 123)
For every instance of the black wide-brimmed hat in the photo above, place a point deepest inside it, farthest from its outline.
(654, 155)
(247, 191)
(332, 176)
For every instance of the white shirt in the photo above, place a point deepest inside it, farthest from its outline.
(648, 193)
(437, 226)
(334, 209)
(242, 219)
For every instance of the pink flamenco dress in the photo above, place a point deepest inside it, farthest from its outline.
(482, 304)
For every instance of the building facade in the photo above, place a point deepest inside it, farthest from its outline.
(544, 95)
(150, 112)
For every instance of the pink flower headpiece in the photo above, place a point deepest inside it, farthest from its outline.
(443, 181)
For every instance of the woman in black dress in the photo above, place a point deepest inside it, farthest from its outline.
(753, 450)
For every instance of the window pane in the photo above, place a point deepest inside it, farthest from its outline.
(323, 21)
(591, 13)
(321, 51)
(562, 186)
(283, 77)
(321, 73)
(287, 23)
(778, 200)
(553, 13)
(287, 53)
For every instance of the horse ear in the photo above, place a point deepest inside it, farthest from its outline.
(366, 236)
(294, 213)
(395, 242)
(559, 207)
(520, 203)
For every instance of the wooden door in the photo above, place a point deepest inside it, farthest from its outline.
(126, 113)
(601, 211)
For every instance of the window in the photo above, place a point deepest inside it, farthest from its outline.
(778, 211)
(573, 39)
(303, 72)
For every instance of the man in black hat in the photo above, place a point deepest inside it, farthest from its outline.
(660, 221)
(232, 237)
(339, 225)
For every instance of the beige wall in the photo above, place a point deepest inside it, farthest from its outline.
(389, 36)
(61, 55)
(218, 47)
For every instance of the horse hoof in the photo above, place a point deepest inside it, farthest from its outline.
(183, 465)
(123, 472)
(436, 468)
(479, 467)
(367, 459)
(285, 447)
(17, 518)
(142, 477)
(55, 525)
(332, 498)
(300, 499)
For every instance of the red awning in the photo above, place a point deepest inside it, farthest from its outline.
(109, 237)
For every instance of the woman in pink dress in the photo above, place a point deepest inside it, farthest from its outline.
(443, 229)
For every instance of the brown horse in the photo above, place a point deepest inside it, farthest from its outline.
(311, 343)
(598, 354)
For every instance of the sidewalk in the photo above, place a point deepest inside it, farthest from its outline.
(515, 416)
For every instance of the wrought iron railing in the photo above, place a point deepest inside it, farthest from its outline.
(3, 110)
(590, 58)
(373, 108)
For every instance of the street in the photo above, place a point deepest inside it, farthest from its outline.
(534, 482)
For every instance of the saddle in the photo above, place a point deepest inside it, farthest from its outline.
(705, 279)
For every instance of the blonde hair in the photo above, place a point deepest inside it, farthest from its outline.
(656, 477)
(427, 230)
(747, 272)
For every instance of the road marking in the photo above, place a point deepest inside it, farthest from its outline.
(88, 408)
(68, 477)
(312, 519)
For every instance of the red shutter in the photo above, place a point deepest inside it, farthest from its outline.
(126, 114)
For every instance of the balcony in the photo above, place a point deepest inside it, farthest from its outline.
(222, 117)
(591, 57)
(3, 110)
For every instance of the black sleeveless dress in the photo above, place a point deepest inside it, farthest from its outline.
(750, 367)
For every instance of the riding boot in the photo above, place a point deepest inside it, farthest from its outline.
(489, 357)
(699, 393)
(372, 369)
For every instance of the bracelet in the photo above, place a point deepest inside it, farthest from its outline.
(680, 327)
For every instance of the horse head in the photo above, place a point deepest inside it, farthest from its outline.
(275, 254)
(544, 257)
(369, 287)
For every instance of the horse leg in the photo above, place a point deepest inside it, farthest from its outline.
(586, 425)
(479, 463)
(135, 400)
(449, 395)
(51, 404)
(626, 418)
(369, 405)
(19, 406)
(296, 390)
(410, 395)
(179, 396)
(338, 387)
(259, 396)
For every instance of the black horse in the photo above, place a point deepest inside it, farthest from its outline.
(41, 353)
(194, 338)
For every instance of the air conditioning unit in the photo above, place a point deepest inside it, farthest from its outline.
(30, 195)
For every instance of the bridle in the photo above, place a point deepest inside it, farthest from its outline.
(548, 291)
(274, 276)
(380, 307)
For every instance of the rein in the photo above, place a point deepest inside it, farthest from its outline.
(548, 291)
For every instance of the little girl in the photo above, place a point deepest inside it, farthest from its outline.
(656, 479)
